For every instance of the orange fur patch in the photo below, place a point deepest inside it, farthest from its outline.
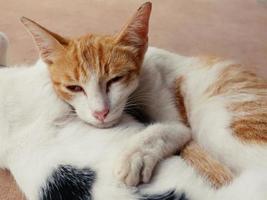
(209, 61)
(180, 100)
(235, 79)
(216, 173)
(249, 116)
(88, 55)
(251, 125)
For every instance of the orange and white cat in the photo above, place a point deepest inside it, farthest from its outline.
(52, 159)
(95, 75)
(224, 104)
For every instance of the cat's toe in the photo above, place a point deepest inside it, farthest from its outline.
(148, 167)
(136, 167)
(133, 176)
(121, 170)
(128, 169)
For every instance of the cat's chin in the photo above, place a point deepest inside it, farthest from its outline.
(106, 124)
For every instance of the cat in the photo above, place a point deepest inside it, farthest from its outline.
(53, 155)
(50, 52)
(224, 104)
(99, 75)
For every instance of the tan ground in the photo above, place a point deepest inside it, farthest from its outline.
(235, 29)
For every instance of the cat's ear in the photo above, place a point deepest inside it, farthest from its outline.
(135, 32)
(50, 44)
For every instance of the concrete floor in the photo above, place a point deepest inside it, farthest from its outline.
(234, 29)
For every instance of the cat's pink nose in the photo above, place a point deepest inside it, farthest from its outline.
(101, 115)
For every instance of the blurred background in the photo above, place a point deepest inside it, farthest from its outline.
(235, 29)
(231, 29)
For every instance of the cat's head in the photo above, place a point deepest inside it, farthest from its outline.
(95, 74)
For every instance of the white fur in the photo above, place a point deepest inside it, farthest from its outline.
(81, 145)
(36, 149)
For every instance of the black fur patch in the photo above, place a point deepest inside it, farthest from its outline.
(69, 183)
(170, 195)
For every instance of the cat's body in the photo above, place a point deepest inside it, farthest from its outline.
(25, 106)
(44, 151)
(225, 106)
(97, 74)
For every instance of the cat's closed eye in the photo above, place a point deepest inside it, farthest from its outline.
(113, 80)
(75, 88)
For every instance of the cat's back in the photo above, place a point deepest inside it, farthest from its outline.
(246, 99)
(233, 100)
(222, 101)
(22, 75)
(20, 82)
(27, 94)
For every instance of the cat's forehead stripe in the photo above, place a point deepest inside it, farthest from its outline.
(93, 57)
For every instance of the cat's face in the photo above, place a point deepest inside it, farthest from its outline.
(95, 74)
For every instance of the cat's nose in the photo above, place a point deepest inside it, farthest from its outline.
(101, 115)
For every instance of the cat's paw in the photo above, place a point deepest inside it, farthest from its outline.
(136, 166)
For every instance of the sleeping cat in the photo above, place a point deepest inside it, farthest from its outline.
(99, 77)
(219, 100)
(224, 104)
(54, 155)
(122, 52)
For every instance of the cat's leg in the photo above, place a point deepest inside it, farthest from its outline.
(147, 148)
(206, 165)
(3, 49)
(159, 140)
